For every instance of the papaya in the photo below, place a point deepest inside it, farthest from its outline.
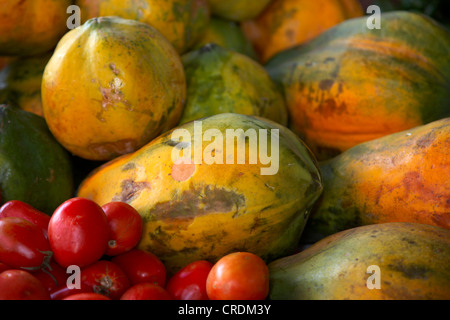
(34, 168)
(388, 261)
(403, 177)
(353, 84)
(31, 27)
(199, 206)
(111, 86)
(287, 23)
(221, 80)
(20, 83)
(237, 10)
(227, 34)
(182, 22)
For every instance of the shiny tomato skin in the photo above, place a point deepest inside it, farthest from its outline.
(238, 276)
(22, 244)
(21, 285)
(146, 291)
(189, 283)
(106, 278)
(16, 208)
(142, 266)
(86, 296)
(4, 267)
(78, 232)
(125, 224)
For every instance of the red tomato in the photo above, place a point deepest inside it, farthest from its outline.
(142, 266)
(125, 224)
(189, 283)
(146, 291)
(52, 276)
(4, 267)
(21, 285)
(238, 276)
(64, 291)
(78, 232)
(22, 244)
(16, 208)
(87, 296)
(106, 278)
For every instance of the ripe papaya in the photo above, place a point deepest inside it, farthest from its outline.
(20, 83)
(227, 34)
(389, 261)
(111, 86)
(196, 210)
(352, 84)
(182, 22)
(34, 168)
(220, 80)
(237, 10)
(31, 27)
(403, 177)
(287, 23)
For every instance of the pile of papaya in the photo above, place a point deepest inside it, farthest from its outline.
(314, 135)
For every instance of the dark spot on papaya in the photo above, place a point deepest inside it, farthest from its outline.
(326, 84)
(409, 241)
(207, 48)
(129, 166)
(426, 140)
(329, 59)
(130, 189)
(197, 202)
(113, 149)
(410, 271)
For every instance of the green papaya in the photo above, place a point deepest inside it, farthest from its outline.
(389, 261)
(227, 34)
(220, 80)
(34, 168)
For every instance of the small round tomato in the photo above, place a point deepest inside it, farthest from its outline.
(238, 276)
(142, 266)
(87, 296)
(106, 278)
(125, 224)
(16, 208)
(64, 291)
(21, 285)
(146, 291)
(78, 232)
(189, 283)
(22, 244)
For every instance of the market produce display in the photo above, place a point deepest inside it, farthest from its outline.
(224, 150)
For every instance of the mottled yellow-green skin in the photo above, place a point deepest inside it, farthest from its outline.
(413, 261)
(204, 211)
(220, 80)
(21, 80)
(238, 10)
(111, 86)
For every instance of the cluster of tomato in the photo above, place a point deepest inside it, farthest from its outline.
(87, 252)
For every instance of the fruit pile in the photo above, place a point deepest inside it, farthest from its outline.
(240, 149)
(39, 254)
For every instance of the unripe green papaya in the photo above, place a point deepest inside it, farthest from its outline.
(220, 80)
(34, 168)
(389, 261)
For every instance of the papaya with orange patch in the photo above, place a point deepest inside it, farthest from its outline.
(200, 206)
(403, 177)
(287, 23)
(353, 84)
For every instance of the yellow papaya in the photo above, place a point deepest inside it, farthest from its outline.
(111, 86)
(205, 209)
(389, 261)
